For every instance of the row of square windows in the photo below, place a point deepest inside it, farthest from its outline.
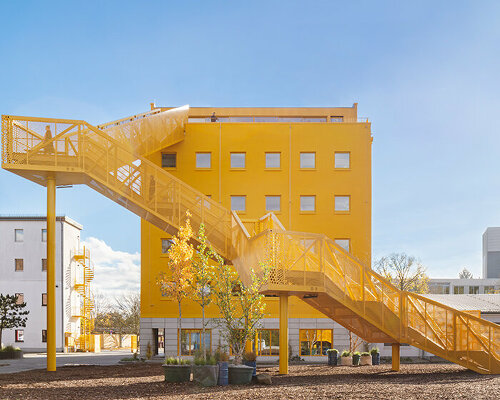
(20, 298)
(19, 235)
(19, 264)
(307, 203)
(273, 160)
(19, 338)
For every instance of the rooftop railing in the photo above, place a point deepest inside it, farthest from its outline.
(277, 119)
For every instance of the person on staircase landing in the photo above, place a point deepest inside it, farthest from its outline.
(213, 118)
(49, 148)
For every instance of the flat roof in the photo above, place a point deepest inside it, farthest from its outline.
(62, 218)
(486, 303)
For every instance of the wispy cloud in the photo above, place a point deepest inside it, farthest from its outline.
(116, 272)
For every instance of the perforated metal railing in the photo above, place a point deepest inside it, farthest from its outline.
(77, 152)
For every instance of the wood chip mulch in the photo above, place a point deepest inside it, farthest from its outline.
(145, 381)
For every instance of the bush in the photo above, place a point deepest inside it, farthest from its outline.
(357, 353)
(249, 356)
(10, 349)
(346, 353)
(332, 351)
(365, 353)
(374, 350)
(176, 361)
(221, 355)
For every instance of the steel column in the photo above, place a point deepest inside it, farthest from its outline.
(283, 333)
(51, 274)
(395, 356)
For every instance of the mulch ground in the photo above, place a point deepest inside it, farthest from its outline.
(145, 381)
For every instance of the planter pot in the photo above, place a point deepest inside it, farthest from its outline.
(346, 360)
(177, 373)
(332, 358)
(240, 374)
(206, 375)
(376, 359)
(10, 355)
(223, 373)
(366, 360)
(252, 364)
(355, 359)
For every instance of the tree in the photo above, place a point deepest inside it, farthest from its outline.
(176, 283)
(354, 342)
(465, 274)
(129, 308)
(241, 307)
(404, 272)
(12, 313)
(203, 276)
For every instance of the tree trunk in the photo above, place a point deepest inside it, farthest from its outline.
(203, 332)
(1, 338)
(180, 329)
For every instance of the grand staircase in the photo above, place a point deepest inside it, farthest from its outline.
(111, 159)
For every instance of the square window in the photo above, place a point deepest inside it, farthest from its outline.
(273, 160)
(342, 160)
(273, 203)
(342, 203)
(336, 118)
(44, 235)
(19, 335)
(169, 160)
(238, 160)
(44, 264)
(44, 299)
(191, 341)
(344, 243)
(473, 289)
(315, 342)
(458, 290)
(307, 160)
(307, 203)
(203, 160)
(238, 203)
(165, 245)
(19, 264)
(20, 298)
(19, 235)
(44, 335)
(489, 289)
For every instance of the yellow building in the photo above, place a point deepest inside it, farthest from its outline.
(309, 166)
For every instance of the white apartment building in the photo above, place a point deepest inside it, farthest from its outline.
(491, 253)
(23, 265)
(463, 286)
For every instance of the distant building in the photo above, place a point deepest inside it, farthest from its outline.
(23, 272)
(491, 253)
(463, 286)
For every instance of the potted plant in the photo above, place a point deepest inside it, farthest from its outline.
(205, 370)
(177, 370)
(222, 359)
(240, 374)
(332, 356)
(346, 358)
(250, 360)
(10, 352)
(366, 359)
(375, 356)
(356, 356)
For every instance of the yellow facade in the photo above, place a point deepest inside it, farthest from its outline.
(338, 131)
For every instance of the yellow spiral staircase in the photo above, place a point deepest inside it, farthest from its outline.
(111, 159)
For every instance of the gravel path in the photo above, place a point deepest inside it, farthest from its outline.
(145, 381)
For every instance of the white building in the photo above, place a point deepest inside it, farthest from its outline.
(463, 286)
(23, 264)
(491, 253)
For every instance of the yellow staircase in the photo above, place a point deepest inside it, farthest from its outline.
(81, 285)
(111, 159)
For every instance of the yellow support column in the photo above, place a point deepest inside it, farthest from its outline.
(395, 356)
(283, 334)
(51, 274)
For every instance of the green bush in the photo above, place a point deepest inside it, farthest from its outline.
(221, 355)
(357, 353)
(332, 351)
(374, 350)
(365, 353)
(346, 353)
(176, 361)
(10, 349)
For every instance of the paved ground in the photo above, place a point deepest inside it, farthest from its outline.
(145, 381)
(38, 360)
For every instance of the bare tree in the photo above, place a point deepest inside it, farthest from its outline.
(128, 306)
(404, 272)
(465, 274)
(354, 342)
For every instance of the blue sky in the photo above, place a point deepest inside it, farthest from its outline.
(425, 73)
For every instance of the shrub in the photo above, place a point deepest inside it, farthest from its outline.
(365, 353)
(346, 353)
(249, 356)
(374, 350)
(176, 361)
(10, 349)
(221, 355)
(332, 351)
(149, 351)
